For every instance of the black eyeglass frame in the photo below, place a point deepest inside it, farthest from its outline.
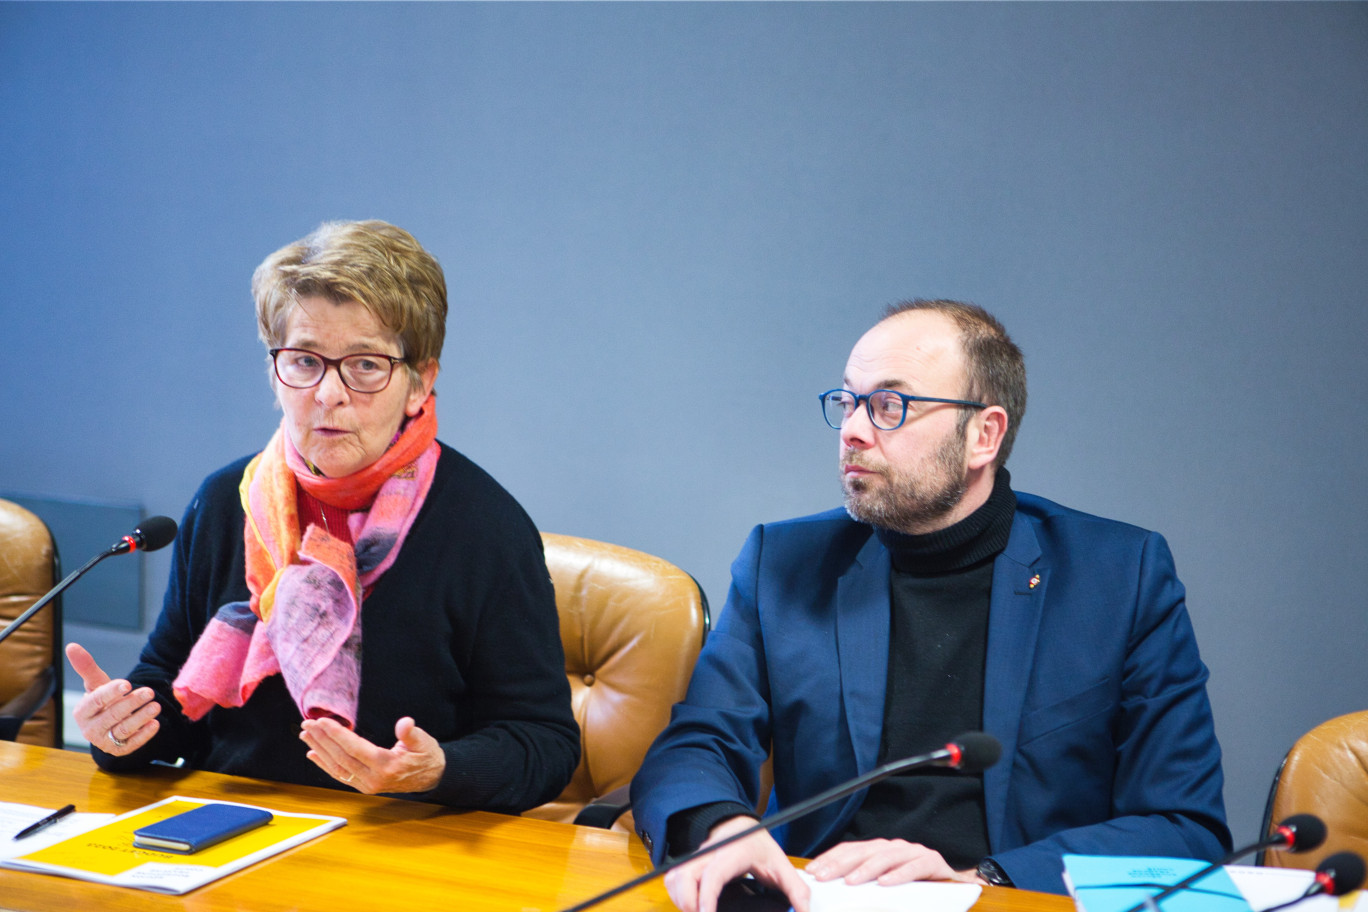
(336, 364)
(869, 407)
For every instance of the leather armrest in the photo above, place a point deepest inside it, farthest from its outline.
(604, 810)
(19, 710)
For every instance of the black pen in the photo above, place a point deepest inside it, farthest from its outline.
(46, 822)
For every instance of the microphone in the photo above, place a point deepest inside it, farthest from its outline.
(1338, 874)
(971, 752)
(153, 533)
(1298, 833)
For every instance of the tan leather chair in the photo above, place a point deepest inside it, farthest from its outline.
(632, 625)
(1326, 774)
(31, 658)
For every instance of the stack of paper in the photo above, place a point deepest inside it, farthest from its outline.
(105, 852)
(1111, 883)
(1101, 883)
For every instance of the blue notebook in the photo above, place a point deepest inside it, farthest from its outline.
(1111, 883)
(196, 829)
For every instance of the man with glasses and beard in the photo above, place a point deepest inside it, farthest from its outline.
(938, 601)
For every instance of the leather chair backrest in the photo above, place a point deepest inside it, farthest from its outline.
(1326, 774)
(632, 626)
(26, 574)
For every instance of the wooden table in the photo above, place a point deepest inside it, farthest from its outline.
(391, 855)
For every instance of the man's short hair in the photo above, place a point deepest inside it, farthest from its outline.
(380, 266)
(997, 371)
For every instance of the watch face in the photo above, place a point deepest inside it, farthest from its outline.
(990, 871)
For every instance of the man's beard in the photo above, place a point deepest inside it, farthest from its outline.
(908, 501)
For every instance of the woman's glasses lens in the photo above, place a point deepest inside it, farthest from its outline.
(302, 369)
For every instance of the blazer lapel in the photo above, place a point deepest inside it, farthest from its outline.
(1020, 580)
(862, 631)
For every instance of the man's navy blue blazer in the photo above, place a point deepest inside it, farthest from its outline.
(1093, 684)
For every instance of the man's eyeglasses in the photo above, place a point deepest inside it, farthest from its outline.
(887, 408)
(367, 372)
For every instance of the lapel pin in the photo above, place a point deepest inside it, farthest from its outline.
(1034, 581)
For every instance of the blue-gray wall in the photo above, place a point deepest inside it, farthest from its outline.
(664, 225)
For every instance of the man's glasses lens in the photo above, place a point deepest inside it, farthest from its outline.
(886, 408)
(837, 406)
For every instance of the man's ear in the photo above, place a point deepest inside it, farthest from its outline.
(986, 432)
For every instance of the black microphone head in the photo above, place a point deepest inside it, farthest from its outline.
(152, 533)
(977, 751)
(1340, 873)
(1303, 832)
(156, 532)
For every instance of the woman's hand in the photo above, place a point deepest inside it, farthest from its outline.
(112, 715)
(414, 764)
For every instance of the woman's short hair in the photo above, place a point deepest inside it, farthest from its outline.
(378, 265)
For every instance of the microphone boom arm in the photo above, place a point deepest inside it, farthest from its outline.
(953, 753)
(153, 533)
(52, 594)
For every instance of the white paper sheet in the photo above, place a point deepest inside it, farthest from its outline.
(923, 896)
(1268, 887)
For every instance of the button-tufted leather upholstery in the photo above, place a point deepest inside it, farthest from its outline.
(1326, 774)
(632, 626)
(30, 659)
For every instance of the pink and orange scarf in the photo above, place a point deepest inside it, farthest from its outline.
(304, 617)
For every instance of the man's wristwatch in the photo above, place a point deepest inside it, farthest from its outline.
(992, 872)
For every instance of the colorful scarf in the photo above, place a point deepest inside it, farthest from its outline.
(304, 617)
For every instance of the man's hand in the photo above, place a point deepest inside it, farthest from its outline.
(694, 887)
(414, 764)
(888, 861)
(112, 715)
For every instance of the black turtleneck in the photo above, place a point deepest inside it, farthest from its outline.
(940, 589)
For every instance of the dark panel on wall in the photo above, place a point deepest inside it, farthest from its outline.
(111, 594)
